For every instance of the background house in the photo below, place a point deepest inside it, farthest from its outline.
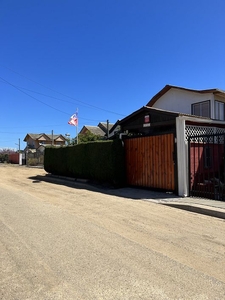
(115, 130)
(100, 130)
(35, 140)
(92, 129)
(36, 143)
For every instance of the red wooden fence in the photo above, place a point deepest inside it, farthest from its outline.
(149, 161)
(14, 158)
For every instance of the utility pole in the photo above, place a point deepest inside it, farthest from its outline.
(18, 145)
(52, 139)
(67, 135)
(107, 129)
(77, 125)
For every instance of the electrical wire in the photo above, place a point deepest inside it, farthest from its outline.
(84, 103)
(33, 97)
(42, 101)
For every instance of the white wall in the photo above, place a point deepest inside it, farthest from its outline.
(180, 100)
(20, 158)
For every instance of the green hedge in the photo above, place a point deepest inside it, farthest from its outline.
(101, 161)
(4, 157)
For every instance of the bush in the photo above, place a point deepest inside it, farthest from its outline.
(4, 157)
(32, 161)
(101, 161)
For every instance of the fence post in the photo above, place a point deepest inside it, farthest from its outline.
(182, 159)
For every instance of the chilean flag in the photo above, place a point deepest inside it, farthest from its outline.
(73, 120)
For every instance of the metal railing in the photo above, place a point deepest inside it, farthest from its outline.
(207, 166)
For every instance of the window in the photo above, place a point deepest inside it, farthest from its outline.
(219, 111)
(201, 109)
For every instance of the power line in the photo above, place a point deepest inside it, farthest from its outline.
(52, 97)
(33, 97)
(21, 127)
(44, 102)
(87, 104)
(11, 132)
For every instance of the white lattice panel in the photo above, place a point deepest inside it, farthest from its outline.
(191, 131)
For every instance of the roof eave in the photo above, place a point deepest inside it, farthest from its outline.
(168, 87)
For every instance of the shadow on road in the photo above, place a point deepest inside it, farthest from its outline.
(199, 206)
(125, 192)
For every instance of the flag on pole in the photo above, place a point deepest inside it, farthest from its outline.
(73, 119)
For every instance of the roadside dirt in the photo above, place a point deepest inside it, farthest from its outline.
(195, 241)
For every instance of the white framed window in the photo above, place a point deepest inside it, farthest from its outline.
(219, 110)
(201, 109)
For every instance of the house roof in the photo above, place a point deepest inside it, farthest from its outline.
(115, 126)
(153, 100)
(100, 129)
(93, 129)
(148, 109)
(44, 136)
(103, 126)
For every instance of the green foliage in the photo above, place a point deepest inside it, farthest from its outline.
(32, 161)
(84, 138)
(101, 161)
(89, 137)
(4, 154)
(4, 157)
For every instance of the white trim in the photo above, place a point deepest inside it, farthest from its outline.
(182, 158)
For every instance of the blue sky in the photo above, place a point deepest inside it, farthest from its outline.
(105, 57)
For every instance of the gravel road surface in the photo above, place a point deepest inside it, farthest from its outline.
(71, 242)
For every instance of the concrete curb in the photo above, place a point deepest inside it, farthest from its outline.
(173, 202)
(67, 178)
(212, 212)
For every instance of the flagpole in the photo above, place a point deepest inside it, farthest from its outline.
(77, 131)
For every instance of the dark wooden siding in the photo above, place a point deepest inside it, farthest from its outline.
(149, 161)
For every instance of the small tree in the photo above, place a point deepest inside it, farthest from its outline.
(84, 138)
(89, 137)
(4, 154)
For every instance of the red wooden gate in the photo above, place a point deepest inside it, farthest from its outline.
(149, 161)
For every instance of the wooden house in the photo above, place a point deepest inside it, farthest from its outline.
(35, 140)
(164, 150)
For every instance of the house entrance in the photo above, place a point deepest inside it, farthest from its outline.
(207, 166)
(150, 161)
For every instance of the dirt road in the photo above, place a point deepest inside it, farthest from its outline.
(62, 242)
